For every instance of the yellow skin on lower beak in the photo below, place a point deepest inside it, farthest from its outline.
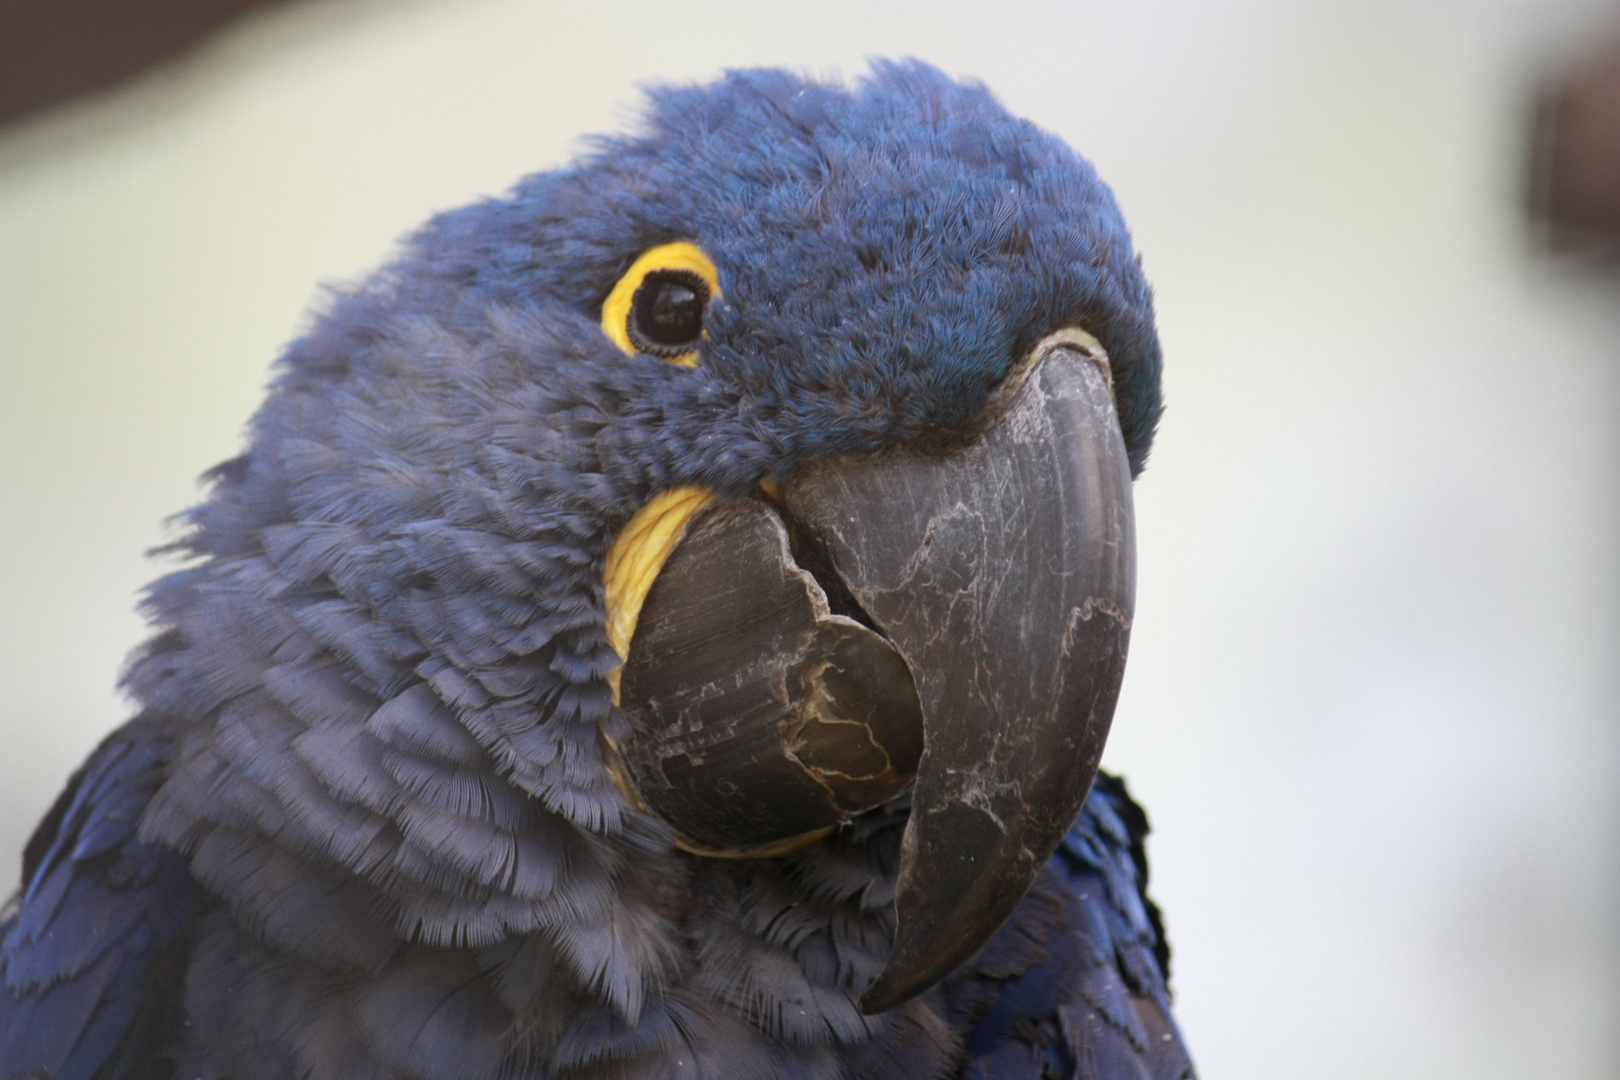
(633, 563)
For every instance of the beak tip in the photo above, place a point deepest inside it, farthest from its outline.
(872, 1006)
(887, 991)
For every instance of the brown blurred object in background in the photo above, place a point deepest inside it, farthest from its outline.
(53, 50)
(1575, 178)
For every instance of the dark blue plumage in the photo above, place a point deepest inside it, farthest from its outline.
(90, 966)
(363, 827)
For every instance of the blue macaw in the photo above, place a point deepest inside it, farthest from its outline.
(664, 624)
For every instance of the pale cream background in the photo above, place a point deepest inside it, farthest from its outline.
(1372, 703)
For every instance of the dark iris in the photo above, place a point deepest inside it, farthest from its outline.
(666, 314)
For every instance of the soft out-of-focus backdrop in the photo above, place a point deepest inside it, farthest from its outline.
(1373, 705)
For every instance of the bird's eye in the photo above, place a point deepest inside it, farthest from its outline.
(657, 306)
(666, 314)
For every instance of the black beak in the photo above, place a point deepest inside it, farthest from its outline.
(973, 606)
(1005, 575)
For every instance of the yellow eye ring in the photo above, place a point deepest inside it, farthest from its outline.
(687, 280)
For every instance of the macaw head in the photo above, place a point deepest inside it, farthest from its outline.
(765, 466)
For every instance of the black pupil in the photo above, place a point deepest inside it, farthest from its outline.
(669, 307)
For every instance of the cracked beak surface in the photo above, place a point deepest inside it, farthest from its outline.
(1004, 574)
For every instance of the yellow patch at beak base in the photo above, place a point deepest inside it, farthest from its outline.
(637, 555)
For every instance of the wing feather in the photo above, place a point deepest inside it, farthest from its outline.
(90, 963)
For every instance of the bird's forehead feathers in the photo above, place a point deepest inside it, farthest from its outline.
(886, 250)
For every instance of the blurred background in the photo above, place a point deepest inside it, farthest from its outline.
(1373, 706)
